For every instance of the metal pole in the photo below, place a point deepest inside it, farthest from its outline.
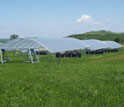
(31, 56)
(7, 56)
(26, 55)
(21, 55)
(36, 56)
(1, 57)
(14, 55)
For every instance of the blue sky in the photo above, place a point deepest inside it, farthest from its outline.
(59, 18)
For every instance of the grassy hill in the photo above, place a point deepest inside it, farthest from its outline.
(90, 81)
(101, 35)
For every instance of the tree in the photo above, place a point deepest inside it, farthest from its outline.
(14, 36)
(117, 40)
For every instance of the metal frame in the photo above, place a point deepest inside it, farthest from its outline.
(32, 54)
(1, 57)
(3, 52)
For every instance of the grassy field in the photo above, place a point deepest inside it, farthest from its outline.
(91, 81)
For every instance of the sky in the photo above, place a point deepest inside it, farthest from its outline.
(59, 18)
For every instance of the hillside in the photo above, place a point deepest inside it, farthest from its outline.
(101, 35)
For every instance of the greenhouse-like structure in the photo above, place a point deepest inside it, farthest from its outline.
(53, 45)
(1, 43)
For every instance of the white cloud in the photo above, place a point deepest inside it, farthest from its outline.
(87, 19)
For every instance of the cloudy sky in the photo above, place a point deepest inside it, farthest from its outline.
(59, 18)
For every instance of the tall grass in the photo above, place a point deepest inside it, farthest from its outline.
(90, 81)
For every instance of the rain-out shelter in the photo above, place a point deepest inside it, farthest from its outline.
(53, 45)
(112, 44)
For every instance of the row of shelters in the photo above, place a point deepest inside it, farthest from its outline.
(53, 45)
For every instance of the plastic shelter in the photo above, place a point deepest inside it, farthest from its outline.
(95, 44)
(112, 44)
(52, 45)
(98, 44)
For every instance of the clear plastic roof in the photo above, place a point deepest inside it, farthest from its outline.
(21, 43)
(61, 44)
(54, 45)
(96, 44)
(112, 44)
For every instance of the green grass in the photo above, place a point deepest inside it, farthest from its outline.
(92, 81)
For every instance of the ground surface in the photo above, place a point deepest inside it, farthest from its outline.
(92, 81)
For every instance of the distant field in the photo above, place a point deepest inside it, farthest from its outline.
(92, 81)
(4, 40)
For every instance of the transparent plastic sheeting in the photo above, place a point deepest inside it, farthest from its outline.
(54, 45)
(112, 44)
(21, 44)
(96, 44)
(1, 43)
(61, 44)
